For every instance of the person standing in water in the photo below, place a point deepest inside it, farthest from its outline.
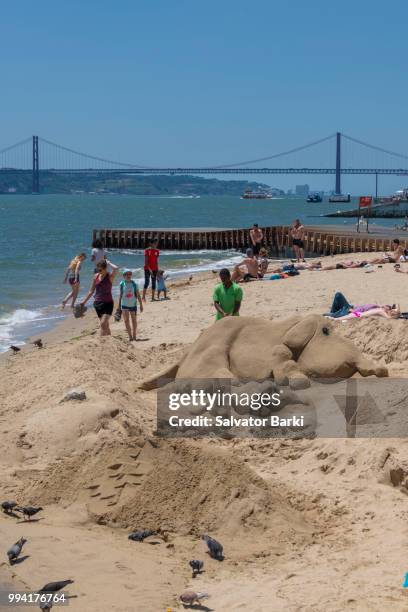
(98, 252)
(297, 232)
(101, 289)
(151, 266)
(256, 236)
(129, 296)
(72, 277)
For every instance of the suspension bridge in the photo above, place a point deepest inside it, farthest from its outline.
(337, 154)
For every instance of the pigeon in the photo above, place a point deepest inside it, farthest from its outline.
(38, 343)
(15, 349)
(140, 534)
(8, 506)
(14, 552)
(191, 597)
(28, 511)
(53, 587)
(196, 566)
(214, 548)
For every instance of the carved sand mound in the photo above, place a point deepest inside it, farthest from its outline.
(182, 487)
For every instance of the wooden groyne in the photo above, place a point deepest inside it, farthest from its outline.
(321, 240)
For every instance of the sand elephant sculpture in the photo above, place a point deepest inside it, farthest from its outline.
(291, 351)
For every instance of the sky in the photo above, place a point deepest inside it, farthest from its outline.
(196, 83)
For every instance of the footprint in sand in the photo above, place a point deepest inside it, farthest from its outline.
(117, 485)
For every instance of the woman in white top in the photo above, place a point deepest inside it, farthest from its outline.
(98, 253)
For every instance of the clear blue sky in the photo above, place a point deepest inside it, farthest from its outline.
(188, 82)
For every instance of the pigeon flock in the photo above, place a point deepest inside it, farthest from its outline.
(188, 598)
(214, 549)
(10, 507)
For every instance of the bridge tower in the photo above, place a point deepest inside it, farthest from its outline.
(36, 166)
(338, 163)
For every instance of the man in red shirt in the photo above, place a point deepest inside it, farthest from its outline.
(151, 266)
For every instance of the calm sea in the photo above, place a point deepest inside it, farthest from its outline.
(39, 235)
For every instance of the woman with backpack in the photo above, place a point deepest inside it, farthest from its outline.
(129, 296)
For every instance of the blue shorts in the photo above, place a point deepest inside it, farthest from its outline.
(130, 308)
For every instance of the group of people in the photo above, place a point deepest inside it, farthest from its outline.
(255, 264)
(105, 273)
(227, 295)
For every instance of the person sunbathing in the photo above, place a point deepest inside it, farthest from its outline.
(344, 265)
(314, 265)
(394, 256)
(247, 269)
(386, 311)
(341, 310)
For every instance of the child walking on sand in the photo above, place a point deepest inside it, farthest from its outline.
(72, 277)
(129, 296)
(161, 284)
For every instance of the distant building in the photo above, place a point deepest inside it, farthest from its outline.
(302, 190)
(290, 191)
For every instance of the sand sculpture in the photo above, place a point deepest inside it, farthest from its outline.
(291, 351)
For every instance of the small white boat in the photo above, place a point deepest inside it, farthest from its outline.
(340, 198)
(256, 195)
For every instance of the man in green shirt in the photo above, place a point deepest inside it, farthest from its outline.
(227, 296)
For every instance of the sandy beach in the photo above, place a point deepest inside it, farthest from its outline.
(311, 525)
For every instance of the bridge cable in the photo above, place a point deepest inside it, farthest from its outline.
(93, 157)
(22, 142)
(242, 163)
(370, 146)
(259, 159)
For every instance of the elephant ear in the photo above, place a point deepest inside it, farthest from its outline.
(300, 334)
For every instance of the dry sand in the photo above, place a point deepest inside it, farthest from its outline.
(307, 525)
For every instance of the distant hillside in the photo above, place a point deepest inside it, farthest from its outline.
(122, 184)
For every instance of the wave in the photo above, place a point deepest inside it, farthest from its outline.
(204, 266)
(21, 315)
(170, 253)
(20, 324)
(184, 197)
